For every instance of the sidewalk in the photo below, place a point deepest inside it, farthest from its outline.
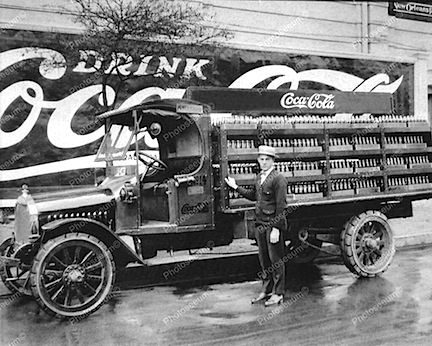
(416, 230)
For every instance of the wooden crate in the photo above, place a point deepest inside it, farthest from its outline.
(420, 165)
(396, 167)
(367, 190)
(367, 147)
(367, 169)
(340, 193)
(315, 195)
(414, 187)
(306, 172)
(341, 170)
(346, 147)
(307, 149)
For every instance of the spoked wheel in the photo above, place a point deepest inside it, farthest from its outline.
(72, 275)
(367, 244)
(299, 250)
(16, 277)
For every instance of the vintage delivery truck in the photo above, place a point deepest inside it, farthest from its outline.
(350, 164)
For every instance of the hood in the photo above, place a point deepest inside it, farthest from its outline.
(72, 198)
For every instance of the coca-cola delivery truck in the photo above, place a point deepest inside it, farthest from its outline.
(346, 177)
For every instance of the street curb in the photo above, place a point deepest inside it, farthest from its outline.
(416, 240)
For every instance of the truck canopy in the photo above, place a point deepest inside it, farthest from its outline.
(169, 108)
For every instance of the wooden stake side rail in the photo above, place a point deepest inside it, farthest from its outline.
(396, 173)
(381, 197)
(278, 129)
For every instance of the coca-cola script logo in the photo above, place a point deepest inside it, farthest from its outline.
(316, 101)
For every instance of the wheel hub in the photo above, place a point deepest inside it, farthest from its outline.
(73, 274)
(371, 243)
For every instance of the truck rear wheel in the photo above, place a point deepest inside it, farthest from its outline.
(367, 244)
(72, 275)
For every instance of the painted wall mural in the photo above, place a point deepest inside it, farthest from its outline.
(48, 132)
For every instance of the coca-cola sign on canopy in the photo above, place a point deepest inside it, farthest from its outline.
(315, 101)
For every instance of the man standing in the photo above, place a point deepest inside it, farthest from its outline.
(269, 192)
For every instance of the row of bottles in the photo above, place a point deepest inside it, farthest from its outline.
(397, 118)
(337, 141)
(305, 166)
(404, 139)
(313, 118)
(304, 187)
(395, 161)
(313, 142)
(344, 185)
(291, 142)
(362, 163)
(252, 168)
(242, 168)
(287, 166)
(340, 164)
(367, 183)
(418, 159)
(273, 142)
(340, 184)
(283, 166)
(400, 181)
(277, 142)
(366, 140)
(240, 144)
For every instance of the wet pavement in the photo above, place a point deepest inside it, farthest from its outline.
(324, 305)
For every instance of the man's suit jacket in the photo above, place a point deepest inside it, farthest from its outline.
(270, 197)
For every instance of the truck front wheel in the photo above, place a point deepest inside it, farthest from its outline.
(72, 275)
(367, 244)
(15, 277)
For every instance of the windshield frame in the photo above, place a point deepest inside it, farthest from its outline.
(106, 148)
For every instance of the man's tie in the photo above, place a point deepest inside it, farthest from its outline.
(261, 175)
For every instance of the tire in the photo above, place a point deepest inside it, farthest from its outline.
(367, 244)
(16, 278)
(302, 253)
(72, 275)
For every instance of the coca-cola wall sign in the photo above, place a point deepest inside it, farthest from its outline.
(49, 134)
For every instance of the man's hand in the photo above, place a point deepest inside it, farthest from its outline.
(274, 235)
(231, 182)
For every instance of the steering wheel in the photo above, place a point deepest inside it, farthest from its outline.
(162, 166)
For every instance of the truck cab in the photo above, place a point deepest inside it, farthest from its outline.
(166, 200)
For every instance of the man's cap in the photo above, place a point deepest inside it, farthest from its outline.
(266, 150)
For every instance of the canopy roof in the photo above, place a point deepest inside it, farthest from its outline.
(157, 108)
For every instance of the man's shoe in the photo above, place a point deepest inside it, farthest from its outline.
(262, 296)
(274, 299)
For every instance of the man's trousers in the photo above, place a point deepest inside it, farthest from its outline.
(271, 259)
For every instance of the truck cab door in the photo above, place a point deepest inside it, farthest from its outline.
(194, 191)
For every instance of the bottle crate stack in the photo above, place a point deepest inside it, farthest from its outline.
(305, 190)
(365, 155)
(366, 165)
(342, 187)
(396, 163)
(366, 142)
(405, 142)
(368, 186)
(341, 166)
(409, 183)
(340, 143)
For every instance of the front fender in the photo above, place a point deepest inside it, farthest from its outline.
(121, 252)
